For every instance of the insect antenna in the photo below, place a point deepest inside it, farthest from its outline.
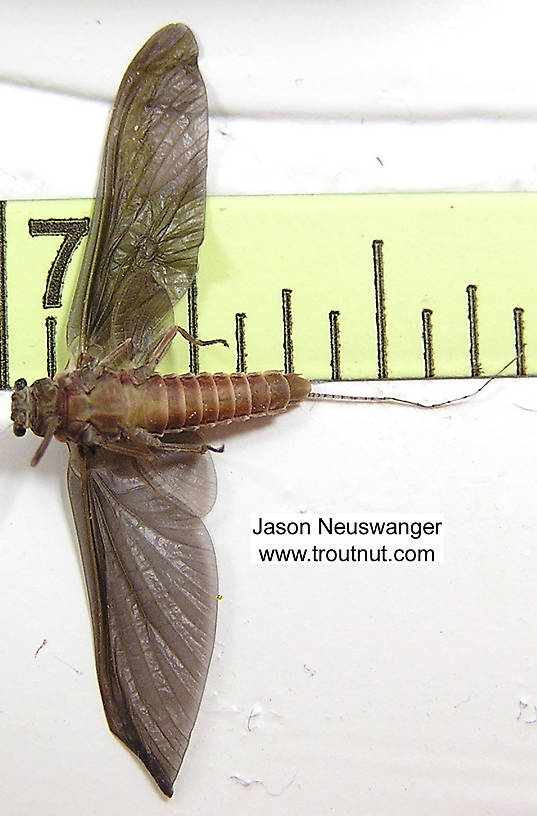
(313, 395)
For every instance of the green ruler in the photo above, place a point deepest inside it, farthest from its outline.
(334, 287)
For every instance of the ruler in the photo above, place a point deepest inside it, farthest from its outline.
(342, 287)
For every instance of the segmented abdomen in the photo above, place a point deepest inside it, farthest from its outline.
(205, 399)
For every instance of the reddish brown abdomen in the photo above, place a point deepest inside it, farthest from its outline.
(209, 398)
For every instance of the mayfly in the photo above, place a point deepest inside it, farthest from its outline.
(140, 478)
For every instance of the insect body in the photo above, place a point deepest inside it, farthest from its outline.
(138, 483)
(122, 411)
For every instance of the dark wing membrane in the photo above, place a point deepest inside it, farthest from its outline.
(147, 226)
(152, 584)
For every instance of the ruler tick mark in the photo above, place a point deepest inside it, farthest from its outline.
(240, 342)
(427, 334)
(192, 302)
(475, 366)
(51, 325)
(287, 315)
(335, 361)
(380, 310)
(520, 346)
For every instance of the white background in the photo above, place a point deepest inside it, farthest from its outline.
(337, 689)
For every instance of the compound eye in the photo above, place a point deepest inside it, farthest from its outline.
(19, 430)
(20, 384)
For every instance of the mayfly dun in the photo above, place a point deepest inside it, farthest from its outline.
(140, 478)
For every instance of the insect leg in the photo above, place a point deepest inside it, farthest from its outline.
(124, 349)
(49, 433)
(125, 447)
(165, 342)
(188, 441)
(142, 444)
(135, 442)
(192, 447)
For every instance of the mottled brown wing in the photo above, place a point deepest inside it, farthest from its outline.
(148, 222)
(152, 585)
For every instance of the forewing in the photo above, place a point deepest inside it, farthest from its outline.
(152, 585)
(148, 221)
